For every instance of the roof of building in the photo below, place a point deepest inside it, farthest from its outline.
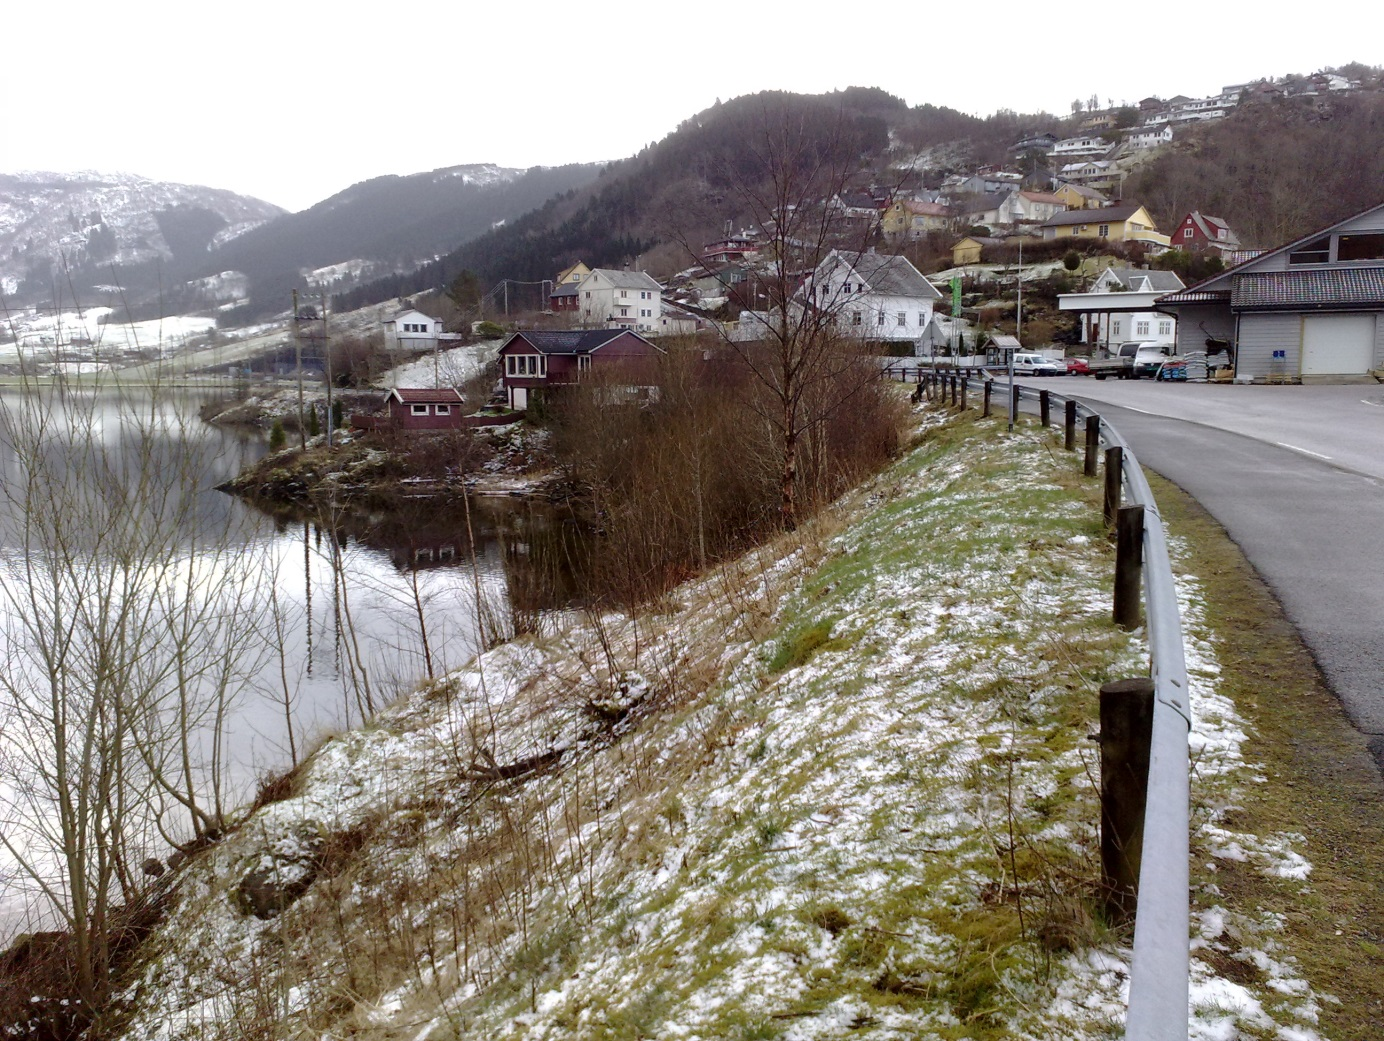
(1224, 279)
(1294, 290)
(1157, 281)
(627, 279)
(569, 341)
(1106, 215)
(424, 396)
(565, 289)
(1043, 197)
(925, 209)
(888, 275)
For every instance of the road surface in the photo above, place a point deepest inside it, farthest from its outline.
(1296, 476)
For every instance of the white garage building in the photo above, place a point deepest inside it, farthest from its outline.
(1314, 307)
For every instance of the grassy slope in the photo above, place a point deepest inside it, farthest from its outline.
(842, 785)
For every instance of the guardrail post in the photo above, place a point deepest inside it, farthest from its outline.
(986, 412)
(1044, 409)
(1126, 733)
(1069, 436)
(1129, 564)
(1114, 470)
(964, 381)
(1014, 400)
(951, 379)
(1092, 445)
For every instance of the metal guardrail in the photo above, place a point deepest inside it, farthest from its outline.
(1159, 988)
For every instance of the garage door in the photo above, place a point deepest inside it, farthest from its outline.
(1337, 344)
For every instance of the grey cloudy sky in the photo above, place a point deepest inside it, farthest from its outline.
(293, 100)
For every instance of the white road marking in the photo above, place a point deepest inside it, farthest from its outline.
(1141, 411)
(1373, 404)
(1304, 451)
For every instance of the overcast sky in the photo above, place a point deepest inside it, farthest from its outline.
(294, 100)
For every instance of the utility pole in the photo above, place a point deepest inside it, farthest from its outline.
(298, 358)
(327, 363)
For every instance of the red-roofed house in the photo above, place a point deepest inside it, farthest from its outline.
(1202, 233)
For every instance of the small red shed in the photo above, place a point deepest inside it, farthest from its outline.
(416, 409)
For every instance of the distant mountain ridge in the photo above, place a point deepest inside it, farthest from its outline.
(62, 235)
(57, 224)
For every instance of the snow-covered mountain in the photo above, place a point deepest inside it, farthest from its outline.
(55, 222)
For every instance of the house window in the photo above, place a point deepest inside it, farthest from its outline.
(879, 318)
(583, 362)
(903, 318)
(1115, 327)
(1104, 231)
(845, 287)
(442, 410)
(1186, 233)
(418, 410)
(623, 294)
(1360, 247)
(1165, 328)
(624, 312)
(1318, 251)
(1141, 328)
(855, 318)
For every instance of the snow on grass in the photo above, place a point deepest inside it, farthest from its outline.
(843, 786)
(451, 368)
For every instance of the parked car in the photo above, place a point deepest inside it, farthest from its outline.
(1077, 367)
(1037, 365)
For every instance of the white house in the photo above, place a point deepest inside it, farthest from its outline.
(1079, 146)
(619, 300)
(1149, 137)
(1120, 306)
(411, 330)
(872, 296)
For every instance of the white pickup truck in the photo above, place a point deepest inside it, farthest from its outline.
(1133, 360)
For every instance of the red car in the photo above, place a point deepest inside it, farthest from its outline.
(1077, 367)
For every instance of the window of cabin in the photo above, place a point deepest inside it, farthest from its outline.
(442, 410)
(1360, 247)
(583, 362)
(1186, 233)
(1318, 251)
(418, 410)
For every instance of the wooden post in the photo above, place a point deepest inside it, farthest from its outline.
(1014, 404)
(955, 385)
(1129, 565)
(986, 411)
(1069, 437)
(1114, 470)
(1092, 445)
(1126, 731)
(1045, 408)
(963, 393)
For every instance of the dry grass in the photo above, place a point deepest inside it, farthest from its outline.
(1321, 782)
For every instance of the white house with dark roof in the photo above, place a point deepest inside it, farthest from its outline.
(410, 330)
(1311, 308)
(1120, 306)
(610, 299)
(873, 296)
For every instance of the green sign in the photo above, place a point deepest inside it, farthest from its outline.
(956, 296)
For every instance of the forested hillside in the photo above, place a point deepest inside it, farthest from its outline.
(1275, 169)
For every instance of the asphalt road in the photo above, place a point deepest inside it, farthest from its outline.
(1296, 476)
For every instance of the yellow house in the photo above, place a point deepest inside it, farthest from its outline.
(573, 274)
(909, 219)
(1127, 223)
(967, 251)
(1079, 197)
